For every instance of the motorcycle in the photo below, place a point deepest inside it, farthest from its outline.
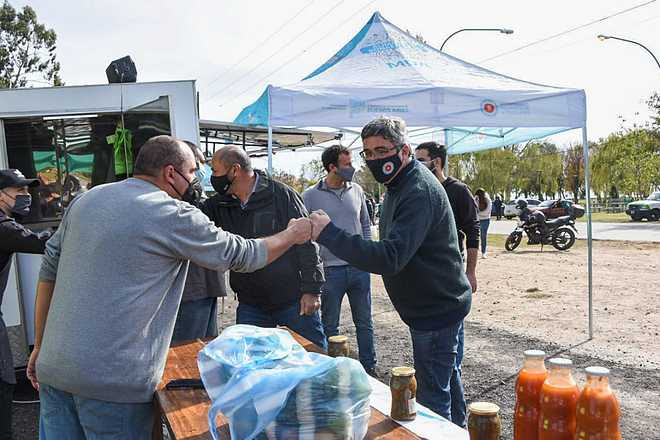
(559, 232)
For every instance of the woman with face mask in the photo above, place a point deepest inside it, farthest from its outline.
(14, 237)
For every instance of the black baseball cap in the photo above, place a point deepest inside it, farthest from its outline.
(14, 178)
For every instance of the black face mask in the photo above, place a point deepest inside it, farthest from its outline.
(22, 203)
(383, 169)
(189, 194)
(221, 184)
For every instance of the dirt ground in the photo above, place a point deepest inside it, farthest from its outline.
(533, 299)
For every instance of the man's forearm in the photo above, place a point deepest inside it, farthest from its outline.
(278, 244)
(41, 308)
(472, 256)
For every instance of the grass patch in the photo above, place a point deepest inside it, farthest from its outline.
(606, 217)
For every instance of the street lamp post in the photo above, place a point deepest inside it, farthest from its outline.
(609, 37)
(501, 31)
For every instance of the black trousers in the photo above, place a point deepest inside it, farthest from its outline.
(6, 397)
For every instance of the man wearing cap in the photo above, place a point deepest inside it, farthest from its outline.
(14, 237)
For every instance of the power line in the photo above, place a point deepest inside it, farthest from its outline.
(286, 63)
(260, 45)
(314, 23)
(567, 31)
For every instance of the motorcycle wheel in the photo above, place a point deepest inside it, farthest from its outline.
(512, 241)
(563, 239)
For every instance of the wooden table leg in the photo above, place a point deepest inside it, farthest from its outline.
(157, 430)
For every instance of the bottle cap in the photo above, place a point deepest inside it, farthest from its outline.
(338, 339)
(403, 371)
(534, 353)
(561, 362)
(597, 371)
(484, 408)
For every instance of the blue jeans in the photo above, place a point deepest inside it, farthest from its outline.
(196, 320)
(435, 353)
(308, 326)
(341, 280)
(65, 416)
(483, 224)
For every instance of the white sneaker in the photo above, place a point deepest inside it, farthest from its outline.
(484, 255)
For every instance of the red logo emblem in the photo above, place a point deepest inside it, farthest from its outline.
(388, 168)
(488, 108)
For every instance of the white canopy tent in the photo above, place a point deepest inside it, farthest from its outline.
(385, 70)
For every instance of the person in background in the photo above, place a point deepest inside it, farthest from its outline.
(497, 205)
(14, 237)
(417, 254)
(346, 204)
(197, 317)
(485, 206)
(434, 157)
(371, 208)
(251, 204)
(109, 288)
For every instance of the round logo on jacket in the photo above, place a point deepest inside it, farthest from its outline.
(488, 107)
(388, 167)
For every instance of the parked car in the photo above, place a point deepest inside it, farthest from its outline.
(511, 211)
(648, 208)
(559, 208)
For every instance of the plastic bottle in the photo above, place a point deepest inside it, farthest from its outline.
(559, 396)
(528, 393)
(598, 409)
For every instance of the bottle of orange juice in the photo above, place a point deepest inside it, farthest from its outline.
(597, 408)
(528, 391)
(559, 395)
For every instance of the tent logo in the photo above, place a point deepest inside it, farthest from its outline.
(388, 167)
(488, 108)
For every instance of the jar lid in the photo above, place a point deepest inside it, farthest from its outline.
(338, 339)
(484, 408)
(597, 371)
(534, 353)
(403, 371)
(561, 362)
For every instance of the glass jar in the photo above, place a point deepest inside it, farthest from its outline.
(484, 421)
(403, 387)
(338, 346)
(598, 410)
(528, 390)
(559, 395)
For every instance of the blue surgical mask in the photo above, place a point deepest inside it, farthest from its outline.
(203, 174)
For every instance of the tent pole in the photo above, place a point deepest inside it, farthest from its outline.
(446, 167)
(270, 148)
(587, 189)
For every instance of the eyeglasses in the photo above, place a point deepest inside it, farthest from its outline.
(377, 153)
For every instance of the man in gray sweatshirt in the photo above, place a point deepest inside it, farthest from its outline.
(109, 288)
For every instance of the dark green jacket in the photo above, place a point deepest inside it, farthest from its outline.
(417, 253)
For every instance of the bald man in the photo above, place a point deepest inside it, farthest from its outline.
(249, 203)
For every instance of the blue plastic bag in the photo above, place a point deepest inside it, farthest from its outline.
(269, 387)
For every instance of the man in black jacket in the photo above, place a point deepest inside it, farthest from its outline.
(14, 199)
(434, 156)
(417, 254)
(251, 204)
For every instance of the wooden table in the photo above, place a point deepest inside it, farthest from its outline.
(185, 412)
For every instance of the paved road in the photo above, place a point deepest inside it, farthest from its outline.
(642, 231)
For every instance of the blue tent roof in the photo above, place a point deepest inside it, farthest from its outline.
(384, 70)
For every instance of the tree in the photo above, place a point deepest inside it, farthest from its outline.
(27, 49)
(573, 170)
(288, 179)
(654, 105)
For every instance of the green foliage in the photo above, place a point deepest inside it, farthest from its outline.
(27, 49)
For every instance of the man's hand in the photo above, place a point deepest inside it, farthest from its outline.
(31, 371)
(309, 303)
(472, 278)
(319, 221)
(300, 229)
